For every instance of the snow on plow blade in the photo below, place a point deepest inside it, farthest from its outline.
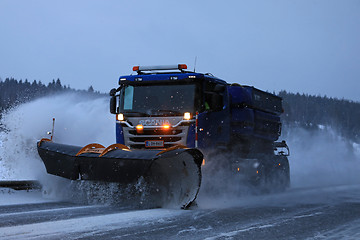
(173, 175)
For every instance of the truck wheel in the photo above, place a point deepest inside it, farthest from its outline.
(280, 177)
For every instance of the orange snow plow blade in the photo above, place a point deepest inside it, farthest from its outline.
(176, 172)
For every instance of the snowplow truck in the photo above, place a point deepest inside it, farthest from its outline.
(167, 120)
(166, 106)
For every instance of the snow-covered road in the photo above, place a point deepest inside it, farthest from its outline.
(318, 213)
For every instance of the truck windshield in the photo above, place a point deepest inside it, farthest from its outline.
(159, 99)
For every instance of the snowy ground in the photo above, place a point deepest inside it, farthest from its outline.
(318, 213)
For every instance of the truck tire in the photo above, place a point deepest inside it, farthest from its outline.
(278, 177)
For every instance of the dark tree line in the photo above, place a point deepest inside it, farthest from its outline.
(14, 92)
(311, 111)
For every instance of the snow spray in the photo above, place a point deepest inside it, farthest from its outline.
(80, 119)
(319, 159)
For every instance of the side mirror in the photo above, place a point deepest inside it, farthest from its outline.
(113, 104)
(112, 92)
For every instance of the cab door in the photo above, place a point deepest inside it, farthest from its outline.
(214, 117)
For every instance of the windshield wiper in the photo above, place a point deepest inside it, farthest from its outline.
(135, 112)
(173, 112)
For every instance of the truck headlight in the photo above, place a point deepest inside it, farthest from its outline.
(187, 116)
(120, 117)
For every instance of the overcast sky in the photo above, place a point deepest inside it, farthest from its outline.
(295, 45)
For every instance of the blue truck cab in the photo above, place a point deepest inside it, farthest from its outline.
(160, 108)
(165, 106)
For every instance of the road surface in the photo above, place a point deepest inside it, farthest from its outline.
(310, 213)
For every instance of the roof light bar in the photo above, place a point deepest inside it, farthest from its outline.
(182, 66)
(161, 67)
(136, 68)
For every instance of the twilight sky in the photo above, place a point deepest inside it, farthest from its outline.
(306, 46)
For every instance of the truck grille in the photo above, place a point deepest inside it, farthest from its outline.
(171, 137)
(155, 132)
(165, 139)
